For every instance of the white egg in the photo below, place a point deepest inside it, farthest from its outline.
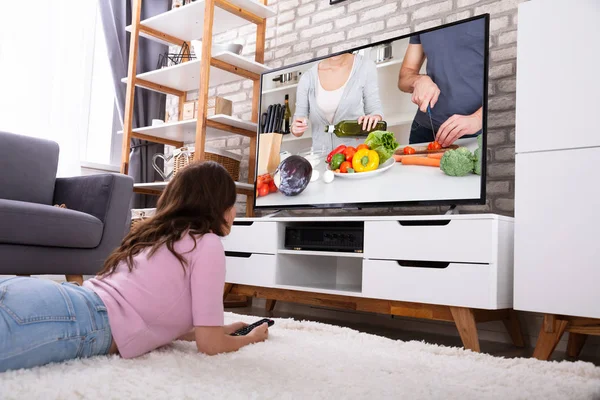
(277, 179)
(314, 176)
(328, 176)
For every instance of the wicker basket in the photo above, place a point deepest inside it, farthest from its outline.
(230, 161)
(139, 215)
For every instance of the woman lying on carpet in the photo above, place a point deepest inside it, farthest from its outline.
(165, 282)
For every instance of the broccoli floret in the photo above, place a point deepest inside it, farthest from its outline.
(477, 168)
(480, 140)
(459, 162)
(465, 151)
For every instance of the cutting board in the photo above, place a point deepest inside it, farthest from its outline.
(422, 150)
(269, 147)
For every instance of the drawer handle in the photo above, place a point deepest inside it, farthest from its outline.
(425, 222)
(423, 264)
(243, 223)
(237, 254)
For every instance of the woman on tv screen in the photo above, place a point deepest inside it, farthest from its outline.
(340, 88)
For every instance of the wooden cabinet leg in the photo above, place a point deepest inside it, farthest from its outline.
(234, 300)
(464, 318)
(75, 278)
(270, 305)
(547, 341)
(513, 326)
(227, 290)
(575, 344)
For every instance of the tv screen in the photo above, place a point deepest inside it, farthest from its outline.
(398, 122)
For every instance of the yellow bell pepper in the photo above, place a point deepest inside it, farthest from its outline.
(365, 160)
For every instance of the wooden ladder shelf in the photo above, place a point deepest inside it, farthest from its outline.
(225, 67)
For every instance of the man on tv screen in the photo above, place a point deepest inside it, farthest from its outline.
(452, 87)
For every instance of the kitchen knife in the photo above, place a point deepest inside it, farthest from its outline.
(279, 118)
(277, 114)
(431, 122)
(269, 117)
(271, 124)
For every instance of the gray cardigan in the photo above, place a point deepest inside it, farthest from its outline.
(360, 97)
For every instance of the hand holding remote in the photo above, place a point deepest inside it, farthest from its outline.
(259, 334)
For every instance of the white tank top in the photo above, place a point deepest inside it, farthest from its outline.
(329, 100)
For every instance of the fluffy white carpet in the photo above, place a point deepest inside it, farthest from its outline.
(307, 360)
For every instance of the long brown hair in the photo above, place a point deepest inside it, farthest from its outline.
(195, 200)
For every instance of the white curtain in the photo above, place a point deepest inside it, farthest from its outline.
(46, 57)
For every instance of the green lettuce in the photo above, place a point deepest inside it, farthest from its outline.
(384, 143)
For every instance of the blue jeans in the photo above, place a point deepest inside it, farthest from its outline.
(43, 321)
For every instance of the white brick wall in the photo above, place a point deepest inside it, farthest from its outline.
(304, 29)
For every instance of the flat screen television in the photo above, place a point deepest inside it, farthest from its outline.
(394, 123)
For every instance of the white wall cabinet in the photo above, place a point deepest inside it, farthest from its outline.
(558, 58)
(557, 192)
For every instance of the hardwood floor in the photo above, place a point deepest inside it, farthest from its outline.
(497, 349)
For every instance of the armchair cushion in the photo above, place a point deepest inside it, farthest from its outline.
(31, 171)
(43, 225)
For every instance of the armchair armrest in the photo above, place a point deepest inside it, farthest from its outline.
(106, 197)
(93, 194)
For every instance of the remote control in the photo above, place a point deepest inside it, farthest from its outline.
(247, 329)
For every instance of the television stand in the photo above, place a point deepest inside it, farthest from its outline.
(455, 268)
(273, 214)
(452, 210)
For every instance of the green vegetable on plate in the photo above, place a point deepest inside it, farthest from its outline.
(337, 160)
(384, 143)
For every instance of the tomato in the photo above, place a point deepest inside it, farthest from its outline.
(272, 187)
(349, 153)
(263, 190)
(409, 150)
(362, 146)
(434, 146)
(344, 167)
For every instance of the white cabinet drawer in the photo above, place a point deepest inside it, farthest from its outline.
(251, 269)
(252, 237)
(464, 285)
(458, 240)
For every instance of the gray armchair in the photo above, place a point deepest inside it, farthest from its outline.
(38, 238)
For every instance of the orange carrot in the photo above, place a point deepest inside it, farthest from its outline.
(430, 162)
(400, 157)
(436, 155)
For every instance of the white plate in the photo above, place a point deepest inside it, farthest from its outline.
(359, 175)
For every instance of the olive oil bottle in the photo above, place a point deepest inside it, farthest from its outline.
(287, 116)
(353, 128)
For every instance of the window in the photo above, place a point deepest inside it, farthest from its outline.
(55, 80)
(101, 144)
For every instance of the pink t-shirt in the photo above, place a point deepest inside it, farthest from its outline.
(157, 302)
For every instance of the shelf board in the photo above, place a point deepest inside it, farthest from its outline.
(186, 76)
(160, 186)
(280, 89)
(185, 131)
(342, 289)
(395, 61)
(320, 253)
(187, 22)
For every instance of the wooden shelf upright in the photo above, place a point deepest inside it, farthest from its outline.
(197, 20)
